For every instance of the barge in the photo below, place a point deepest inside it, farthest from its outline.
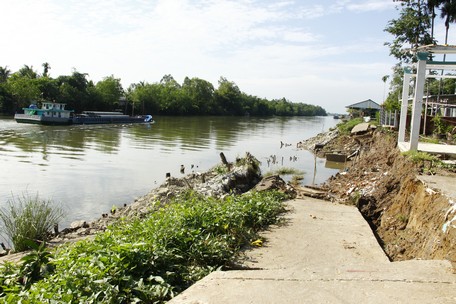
(52, 113)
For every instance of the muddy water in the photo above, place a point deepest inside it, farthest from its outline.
(89, 169)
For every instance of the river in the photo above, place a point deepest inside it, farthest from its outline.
(89, 169)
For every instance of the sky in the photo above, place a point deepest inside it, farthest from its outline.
(329, 53)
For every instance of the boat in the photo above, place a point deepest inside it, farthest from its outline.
(52, 113)
(97, 117)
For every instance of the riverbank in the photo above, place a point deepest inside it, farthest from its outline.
(408, 204)
(152, 252)
(374, 182)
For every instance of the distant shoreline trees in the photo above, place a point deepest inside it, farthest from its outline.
(194, 96)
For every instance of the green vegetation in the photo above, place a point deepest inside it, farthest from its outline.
(144, 260)
(414, 27)
(402, 218)
(440, 125)
(296, 179)
(29, 219)
(284, 171)
(194, 96)
(346, 127)
(425, 161)
(418, 156)
(355, 196)
(430, 140)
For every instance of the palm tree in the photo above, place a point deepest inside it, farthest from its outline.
(448, 12)
(27, 71)
(46, 67)
(4, 74)
(432, 5)
(384, 79)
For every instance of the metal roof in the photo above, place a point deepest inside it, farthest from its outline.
(366, 104)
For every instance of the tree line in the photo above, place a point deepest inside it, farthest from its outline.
(194, 96)
(415, 27)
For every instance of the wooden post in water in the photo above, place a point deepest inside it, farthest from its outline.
(224, 161)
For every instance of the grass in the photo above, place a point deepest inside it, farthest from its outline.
(430, 140)
(402, 218)
(284, 171)
(147, 260)
(29, 219)
(296, 179)
(419, 156)
(297, 175)
(346, 127)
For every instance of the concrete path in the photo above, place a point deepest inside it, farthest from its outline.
(325, 253)
(428, 147)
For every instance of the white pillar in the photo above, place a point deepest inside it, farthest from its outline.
(418, 100)
(404, 105)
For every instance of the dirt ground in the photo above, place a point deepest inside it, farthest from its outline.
(412, 219)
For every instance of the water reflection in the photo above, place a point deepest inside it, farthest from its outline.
(91, 168)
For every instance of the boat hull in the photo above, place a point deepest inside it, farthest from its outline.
(106, 120)
(81, 119)
(41, 120)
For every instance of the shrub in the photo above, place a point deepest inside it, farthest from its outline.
(346, 127)
(28, 219)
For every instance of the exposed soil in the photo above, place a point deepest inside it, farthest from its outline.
(411, 220)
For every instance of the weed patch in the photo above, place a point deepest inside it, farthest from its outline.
(29, 219)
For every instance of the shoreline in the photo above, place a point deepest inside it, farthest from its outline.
(239, 178)
(380, 174)
(378, 182)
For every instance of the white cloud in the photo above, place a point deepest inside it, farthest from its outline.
(311, 12)
(367, 6)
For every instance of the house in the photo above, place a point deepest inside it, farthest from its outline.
(364, 108)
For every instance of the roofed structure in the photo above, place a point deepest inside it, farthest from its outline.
(366, 104)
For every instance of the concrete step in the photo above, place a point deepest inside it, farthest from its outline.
(324, 253)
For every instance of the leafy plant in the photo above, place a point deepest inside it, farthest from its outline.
(440, 126)
(29, 219)
(146, 260)
(35, 265)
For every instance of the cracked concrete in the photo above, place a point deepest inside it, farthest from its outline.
(324, 253)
